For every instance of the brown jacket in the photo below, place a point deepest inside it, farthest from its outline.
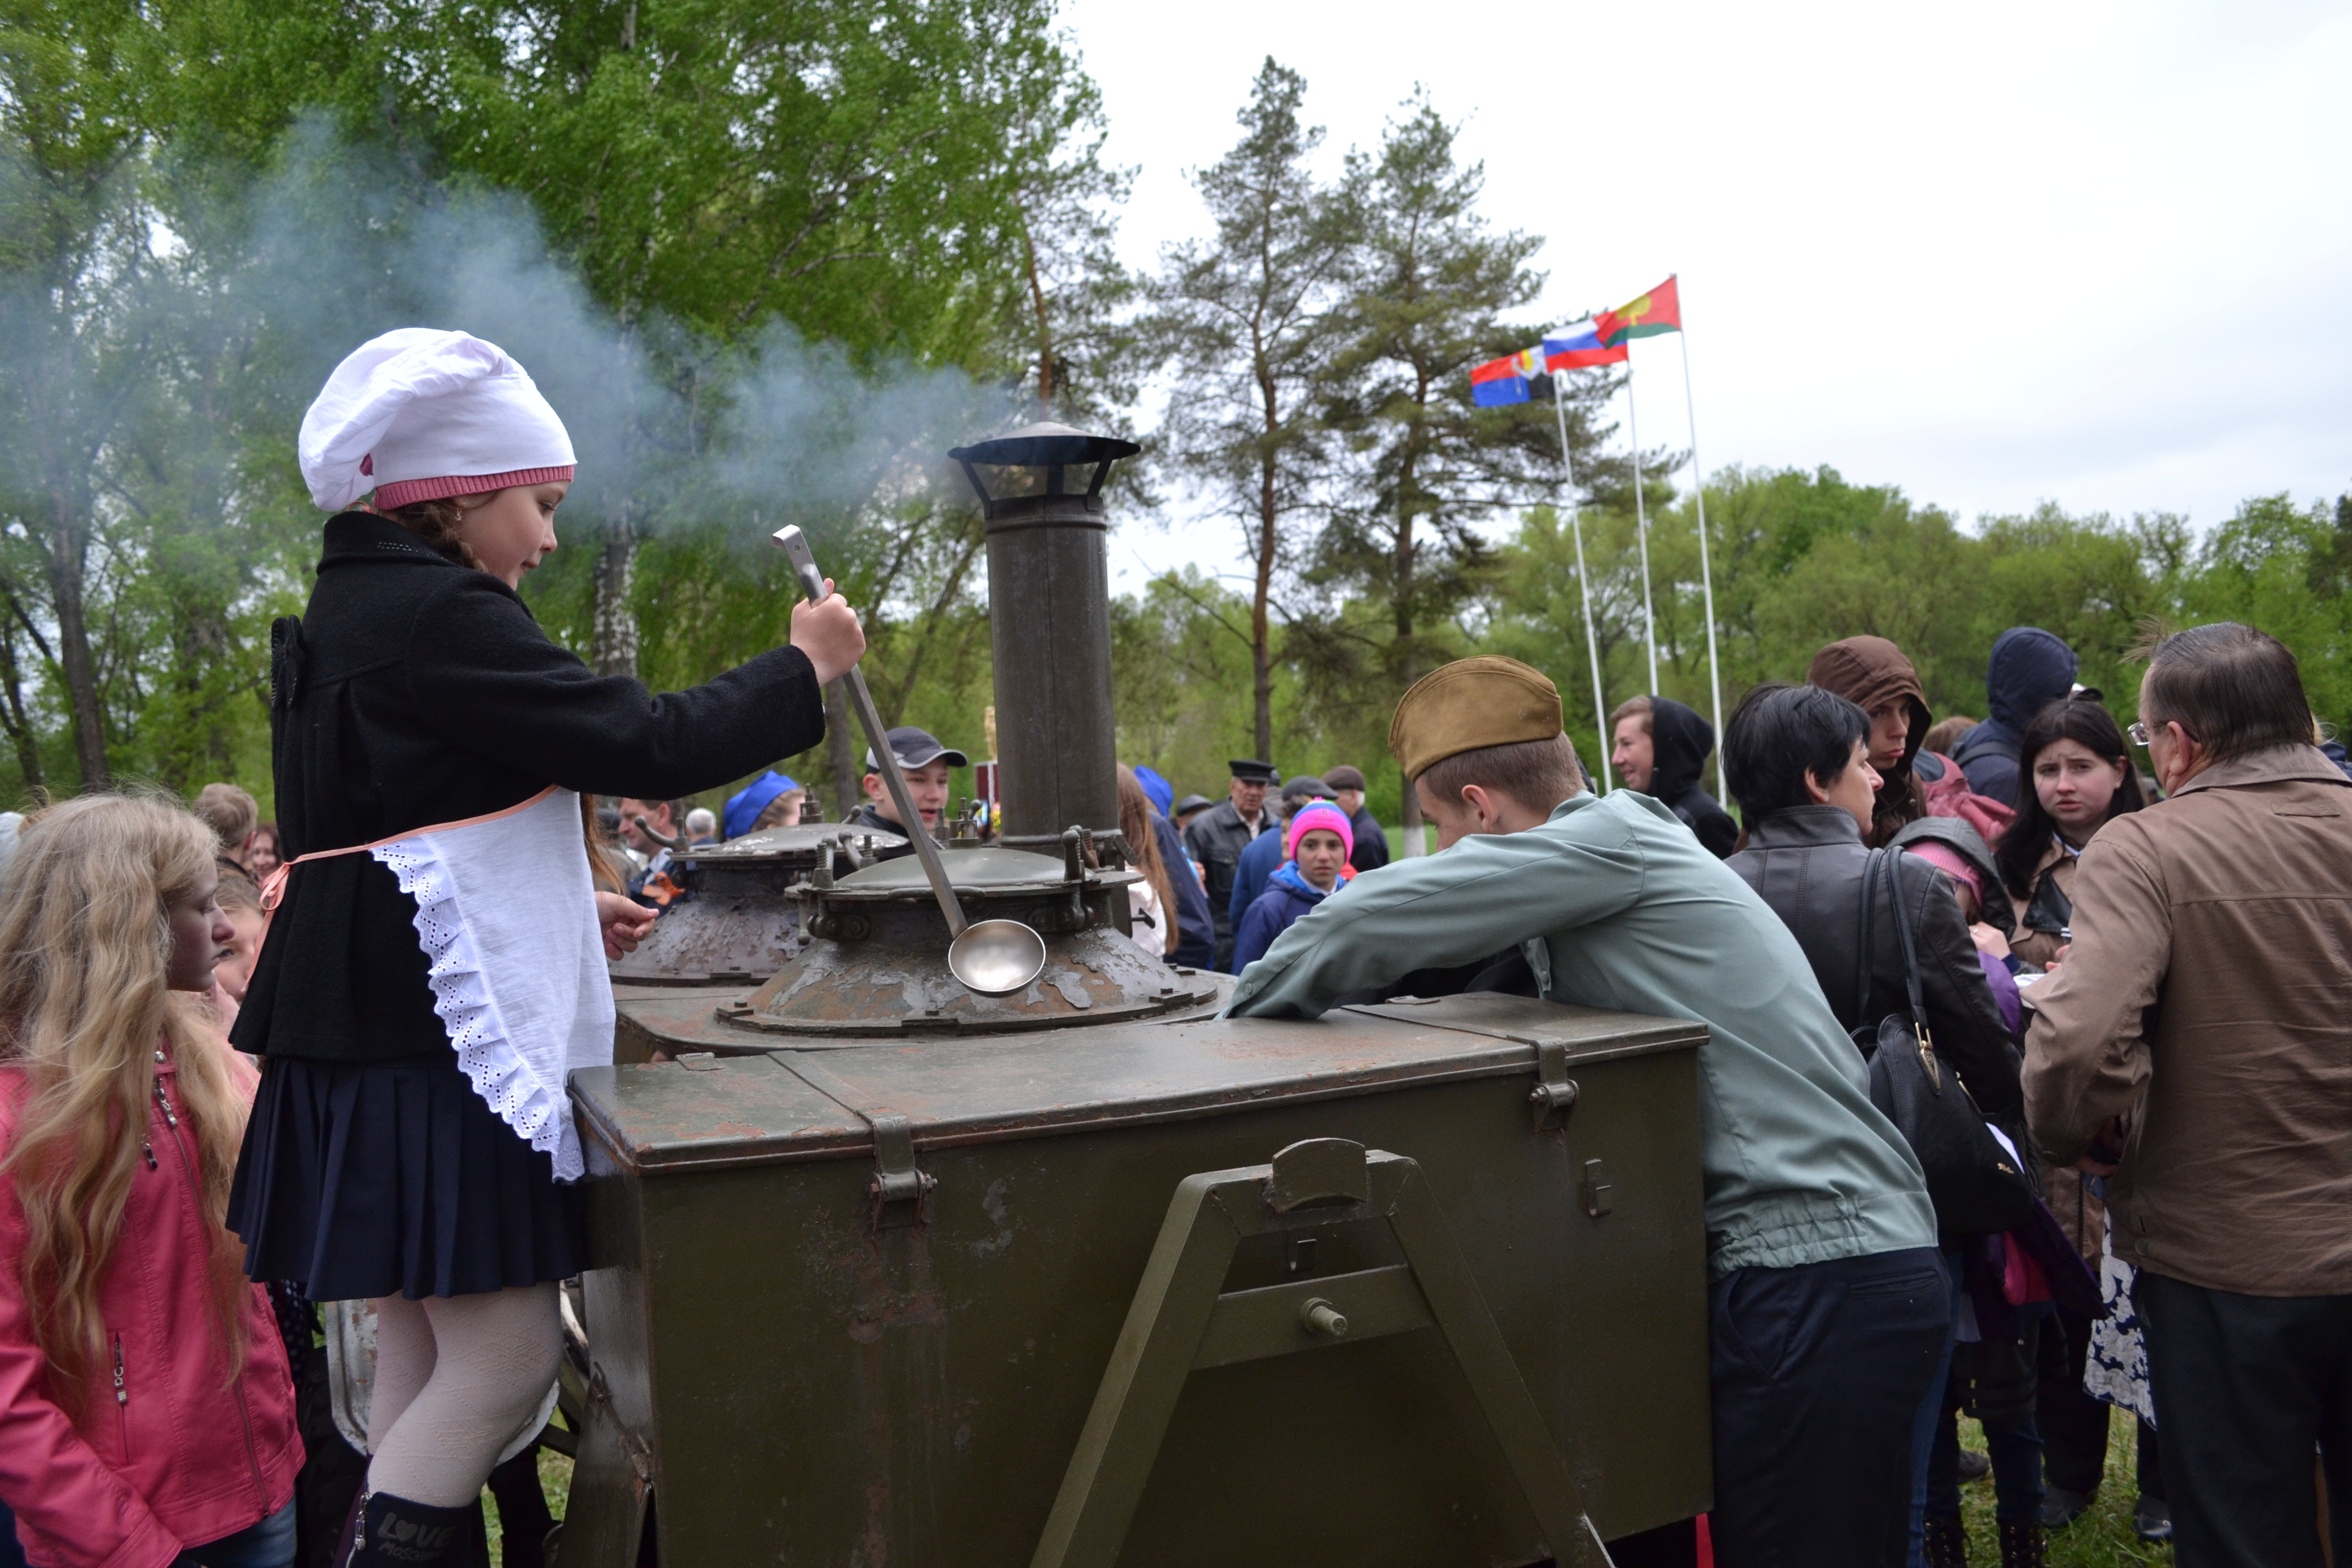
(2206, 1002)
(2032, 945)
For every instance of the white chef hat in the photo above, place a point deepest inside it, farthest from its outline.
(420, 413)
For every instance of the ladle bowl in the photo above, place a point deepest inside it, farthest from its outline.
(996, 958)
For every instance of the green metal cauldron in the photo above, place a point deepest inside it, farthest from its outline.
(1068, 1297)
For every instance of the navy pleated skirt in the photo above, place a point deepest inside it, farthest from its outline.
(394, 1179)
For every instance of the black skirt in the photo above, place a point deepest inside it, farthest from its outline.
(394, 1179)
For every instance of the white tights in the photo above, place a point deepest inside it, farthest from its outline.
(456, 1378)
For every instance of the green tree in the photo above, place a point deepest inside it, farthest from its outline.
(1430, 287)
(1246, 318)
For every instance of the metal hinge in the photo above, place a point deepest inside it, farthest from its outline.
(899, 1186)
(1554, 1095)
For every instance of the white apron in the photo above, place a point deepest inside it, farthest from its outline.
(506, 913)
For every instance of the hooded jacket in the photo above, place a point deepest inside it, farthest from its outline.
(1679, 742)
(1288, 895)
(1871, 673)
(2029, 669)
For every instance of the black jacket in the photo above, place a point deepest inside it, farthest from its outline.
(416, 690)
(1679, 742)
(1807, 863)
(869, 818)
(1216, 838)
(2030, 668)
(1371, 850)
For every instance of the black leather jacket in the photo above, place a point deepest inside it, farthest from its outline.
(1806, 862)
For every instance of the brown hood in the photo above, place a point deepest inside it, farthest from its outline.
(1871, 672)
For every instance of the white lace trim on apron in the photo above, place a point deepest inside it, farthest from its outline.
(506, 913)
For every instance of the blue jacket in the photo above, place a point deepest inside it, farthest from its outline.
(2028, 671)
(1252, 872)
(1618, 906)
(1288, 895)
(1196, 935)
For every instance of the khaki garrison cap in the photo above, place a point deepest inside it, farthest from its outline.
(1472, 703)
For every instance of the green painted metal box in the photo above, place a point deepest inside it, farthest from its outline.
(1052, 1298)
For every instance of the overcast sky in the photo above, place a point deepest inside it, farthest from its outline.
(1997, 254)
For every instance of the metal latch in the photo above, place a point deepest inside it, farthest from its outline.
(1554, 1095)
(899, 1186)
(1596, 1190)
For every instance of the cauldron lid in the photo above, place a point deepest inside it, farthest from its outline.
(1043, 446)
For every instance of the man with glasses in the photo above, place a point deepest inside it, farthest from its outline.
(2193, 1050)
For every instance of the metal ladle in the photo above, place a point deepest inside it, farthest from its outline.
(994, 958)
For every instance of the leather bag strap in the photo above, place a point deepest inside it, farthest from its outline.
(1910, 954)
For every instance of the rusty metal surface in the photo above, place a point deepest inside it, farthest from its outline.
(876, 963)
(737, 920)
(955, 1092)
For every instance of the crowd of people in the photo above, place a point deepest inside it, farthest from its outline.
(2138, 1202)
(2025, 1091)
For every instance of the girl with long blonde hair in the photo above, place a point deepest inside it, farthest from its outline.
(146, 1409)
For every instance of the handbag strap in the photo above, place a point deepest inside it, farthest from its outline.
(1910, 954)
(1862, 946)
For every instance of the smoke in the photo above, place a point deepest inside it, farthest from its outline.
(337, 244)
(670, 426)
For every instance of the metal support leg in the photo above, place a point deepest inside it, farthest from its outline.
(1179, 1320)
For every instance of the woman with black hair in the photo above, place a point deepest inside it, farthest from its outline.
(2072, 755)
(1799, 761)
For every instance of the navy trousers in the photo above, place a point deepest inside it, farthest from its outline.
(2247, 1389)
(1819, 1373)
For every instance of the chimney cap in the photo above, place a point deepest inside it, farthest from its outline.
(1043, 446)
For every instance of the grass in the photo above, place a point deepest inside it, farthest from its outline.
(555, 1480)
(2102, 1538)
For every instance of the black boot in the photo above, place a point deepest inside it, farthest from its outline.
(2020, 1544)
(397, 1533)
(1942, 1544)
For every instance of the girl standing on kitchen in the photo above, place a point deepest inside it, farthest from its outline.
(436, 964)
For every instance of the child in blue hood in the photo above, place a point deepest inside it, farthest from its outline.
(1320, 841)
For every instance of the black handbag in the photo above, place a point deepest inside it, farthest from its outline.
(1973, 1181)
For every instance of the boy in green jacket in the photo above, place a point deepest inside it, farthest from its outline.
(1829, 1308)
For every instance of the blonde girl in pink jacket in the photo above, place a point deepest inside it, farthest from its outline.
(146, 1410)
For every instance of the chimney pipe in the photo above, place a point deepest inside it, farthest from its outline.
(1049, 611)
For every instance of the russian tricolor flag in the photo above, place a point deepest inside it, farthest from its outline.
(1577, 345)
(1515, 378)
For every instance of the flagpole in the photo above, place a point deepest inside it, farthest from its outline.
(1583, 585)
(1641, 525)
(1706, 579)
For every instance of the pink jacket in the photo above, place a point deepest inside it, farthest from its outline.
(171, 1453)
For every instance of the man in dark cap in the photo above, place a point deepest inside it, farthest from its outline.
(1660, 748)
(1820, 1240)
(1263, 857)
(1371, 850)
(925, 763)
(1191, 807)
(1218, 835)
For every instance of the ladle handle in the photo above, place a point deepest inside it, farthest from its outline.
(795, 547)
